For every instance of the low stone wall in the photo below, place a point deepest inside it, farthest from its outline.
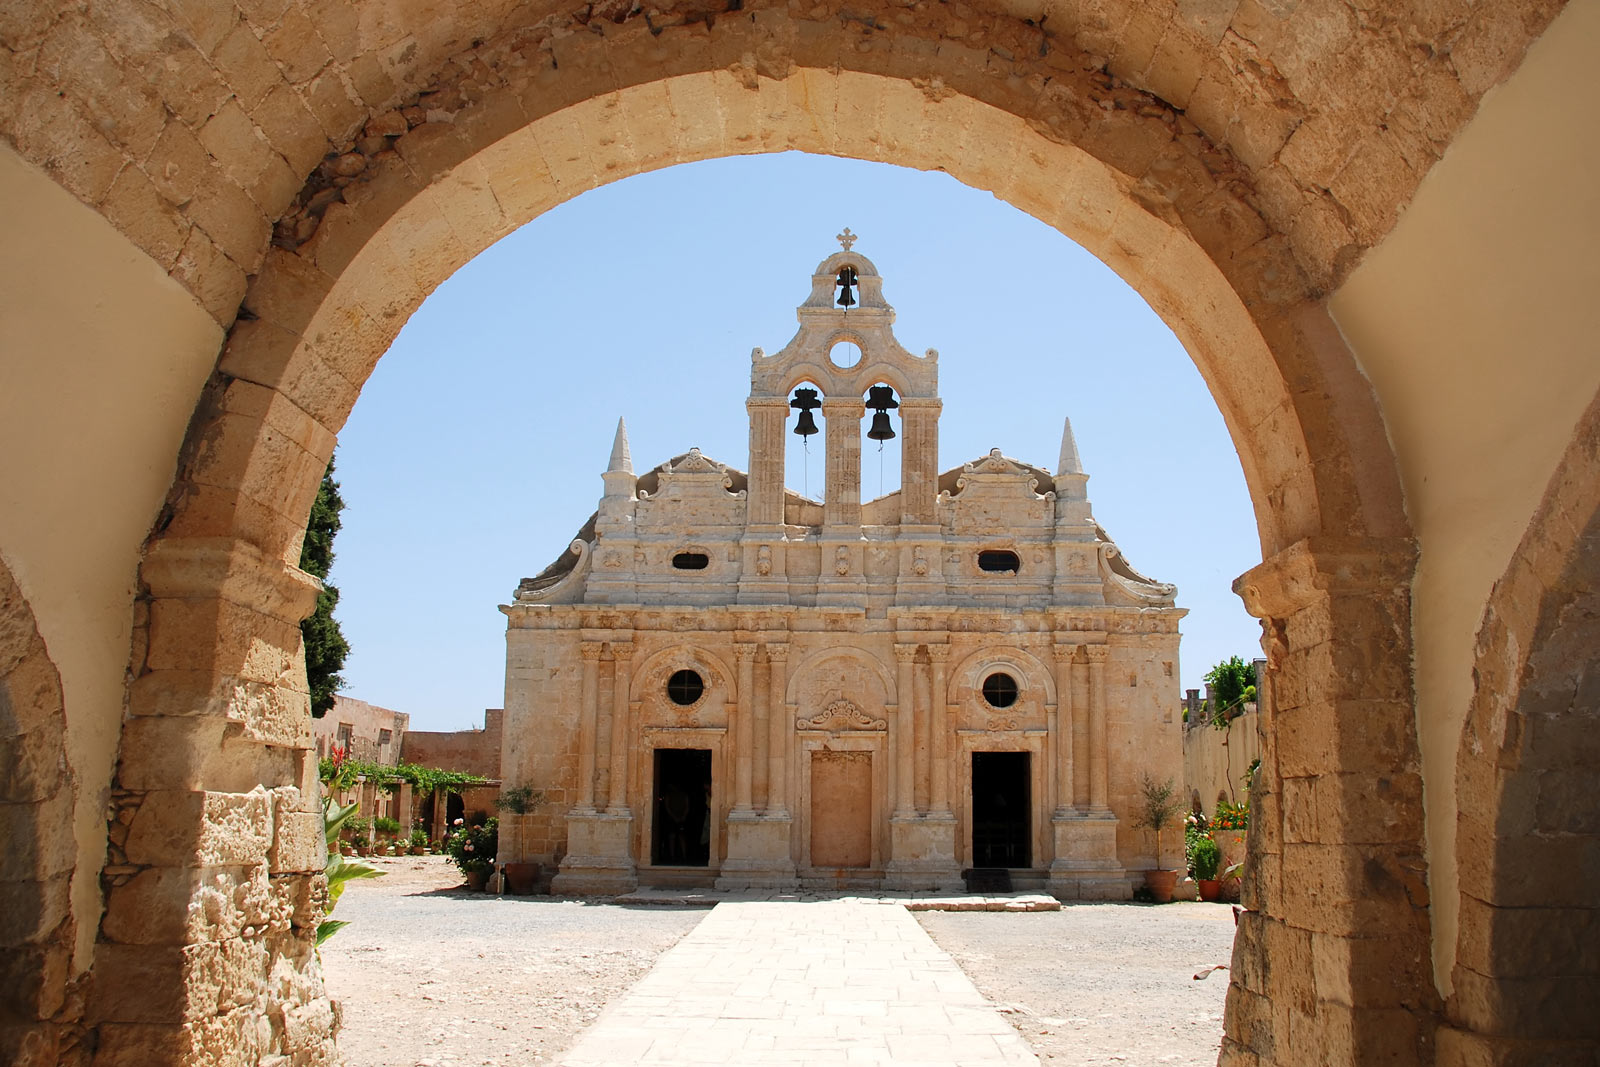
(1215, 760)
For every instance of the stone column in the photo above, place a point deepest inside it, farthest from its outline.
(1336, 867)
(621, 739)
(841, 505)
(939, 784)
(1079, 671)
(764, 502)
(1098, 654)
(590, 651)
(905, 732)
(779, 730)
(919, 460)
(743, 731)
(1061, 726)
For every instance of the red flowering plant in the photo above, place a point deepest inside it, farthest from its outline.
(473, 847)
(1231, 816)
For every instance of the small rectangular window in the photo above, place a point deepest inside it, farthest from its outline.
(691, 561)
(384, 737)
(998, 561)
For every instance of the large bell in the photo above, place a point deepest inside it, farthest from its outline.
(805, 401)
(881, 430)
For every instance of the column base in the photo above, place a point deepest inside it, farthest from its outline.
(759, 854)
(1086, 866)
(598, 860)
(922, 850)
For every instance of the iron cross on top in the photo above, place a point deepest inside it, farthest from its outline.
(846, 239)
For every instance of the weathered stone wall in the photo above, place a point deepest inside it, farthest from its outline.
(1215, 761)
(367, 723)
(41, 1015)
(475, 751)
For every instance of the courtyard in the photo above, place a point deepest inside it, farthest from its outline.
(428, 974)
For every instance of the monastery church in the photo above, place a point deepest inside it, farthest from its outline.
(721, 682)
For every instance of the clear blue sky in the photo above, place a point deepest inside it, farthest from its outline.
(475, 451)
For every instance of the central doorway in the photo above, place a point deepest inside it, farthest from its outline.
(1002, 831)
(681, 829)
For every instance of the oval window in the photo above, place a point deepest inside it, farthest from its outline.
(1000, 690)
(691, 561)
(999, 561)
(685, 687)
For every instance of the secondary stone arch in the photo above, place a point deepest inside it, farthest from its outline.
(968, 675)
(800, 673)
(36, 811)
(1528, 950)
(320, 313)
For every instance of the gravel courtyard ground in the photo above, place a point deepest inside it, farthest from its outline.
(1098, 984)
(430, 975)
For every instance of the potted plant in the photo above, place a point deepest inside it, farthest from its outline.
(1204, 859)
(521, 877)
(472, 849)
(1156, 811)
(360, 835)
(419, 841)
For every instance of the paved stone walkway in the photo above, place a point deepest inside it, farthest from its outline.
(831, 982)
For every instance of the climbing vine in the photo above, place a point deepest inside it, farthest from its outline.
(341, 772)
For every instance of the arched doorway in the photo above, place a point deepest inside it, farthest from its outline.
(218, 706)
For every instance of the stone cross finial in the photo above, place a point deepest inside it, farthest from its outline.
(846, 239)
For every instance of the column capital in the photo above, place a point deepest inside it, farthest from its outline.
(622, 651)
(1065, 653)
(590, 650)
(921, 403)
(938, 653)
(1097, 653)
(843, 405)
(744, 652)
(774, 402)
(905, 653)
(777, 653)
(1315, 567)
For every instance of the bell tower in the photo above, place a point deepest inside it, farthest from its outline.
(846, 308)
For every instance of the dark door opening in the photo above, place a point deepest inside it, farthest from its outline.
(1001, 810)
(681, 831)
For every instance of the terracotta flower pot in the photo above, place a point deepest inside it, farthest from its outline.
(1161, 884)
(477, 880)
(1210, 888)
(521, 878)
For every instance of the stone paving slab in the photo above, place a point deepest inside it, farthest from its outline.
(843, 981)
(911, 901)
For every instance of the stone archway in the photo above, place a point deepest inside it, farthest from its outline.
(36, 805)
(218, 704)
(1528, 953)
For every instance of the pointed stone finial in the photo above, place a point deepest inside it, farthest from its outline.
(1069, 462)
(845, 239)
(621, 458)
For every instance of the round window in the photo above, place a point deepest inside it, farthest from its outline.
(685, 687)
(1000, 690)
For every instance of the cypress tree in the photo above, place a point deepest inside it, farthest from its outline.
(326, 647)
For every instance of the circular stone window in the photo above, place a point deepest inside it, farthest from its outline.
(1000, 690)
(845, 354)
(685, 687)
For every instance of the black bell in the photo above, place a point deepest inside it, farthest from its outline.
(846, 282)
(881, 430)
(805, 401)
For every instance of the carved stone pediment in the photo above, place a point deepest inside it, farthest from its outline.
(842, 715)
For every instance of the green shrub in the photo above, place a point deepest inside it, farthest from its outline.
(385, 825)
(1204, 859)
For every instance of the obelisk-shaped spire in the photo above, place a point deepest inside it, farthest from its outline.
(1069, 463)
(621, 458)
(618, 477)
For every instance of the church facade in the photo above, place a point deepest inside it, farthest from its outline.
(724, 682)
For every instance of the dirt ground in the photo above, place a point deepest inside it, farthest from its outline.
(430, 975)
(1098, 984)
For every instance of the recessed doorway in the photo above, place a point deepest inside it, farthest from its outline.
(1002, 830)
(681, 827)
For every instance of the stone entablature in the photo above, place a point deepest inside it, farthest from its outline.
(721, 680)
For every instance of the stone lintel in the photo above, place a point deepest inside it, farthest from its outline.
(226, 568)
